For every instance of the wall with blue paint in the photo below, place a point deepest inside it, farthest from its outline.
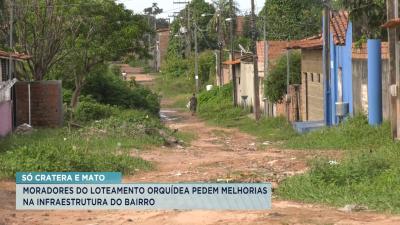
(341, 57)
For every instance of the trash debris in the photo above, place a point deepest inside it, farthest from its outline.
(353, 208)
(267, 143)
(333, 162)
(224, 180)
(24, 129)
(178, 174)
(252, 144)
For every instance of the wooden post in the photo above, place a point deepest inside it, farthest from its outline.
(255, 64)
(392, 38)
(233, 69)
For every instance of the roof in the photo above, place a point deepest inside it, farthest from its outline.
(392, 23)
(315, 42)
(14, 55)
(230, 62)
(339, 24)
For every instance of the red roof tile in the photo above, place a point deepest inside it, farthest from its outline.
(392, 23)
(315, 42)
(339, 24)
(15, 55)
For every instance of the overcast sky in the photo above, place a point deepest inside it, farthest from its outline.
(167, 5)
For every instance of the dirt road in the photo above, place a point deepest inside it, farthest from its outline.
(215, 154)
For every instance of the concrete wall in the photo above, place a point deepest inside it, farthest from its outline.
(5, 118)
(311, 90)
(246, 87)
(46, 103)
(360, 87)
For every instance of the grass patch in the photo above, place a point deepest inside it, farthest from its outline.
(176, 86)
(216, 107)
(102, 145)
(368, 175)
(355, 133)
(178, 101)
(364, 177)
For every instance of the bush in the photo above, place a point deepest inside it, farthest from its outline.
(111, 89)
(90, 111)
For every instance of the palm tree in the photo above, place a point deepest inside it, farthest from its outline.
(224, 11)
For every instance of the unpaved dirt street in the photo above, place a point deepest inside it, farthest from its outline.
(215, 154)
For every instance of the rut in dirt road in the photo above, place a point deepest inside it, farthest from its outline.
(216, 154)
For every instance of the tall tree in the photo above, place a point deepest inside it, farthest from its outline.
(108, 31)
(292, 19)
(367, 16)
(42, 29)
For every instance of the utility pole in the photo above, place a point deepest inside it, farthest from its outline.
(255, 64)
(268, 106)
(288, 80)
(326, 63)
(188, 43)
(196, 55)
(233, 68)
(394, 79)
(220, 46)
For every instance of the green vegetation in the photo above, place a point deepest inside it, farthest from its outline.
(365, 177)
(107, 87)
(216, 106)
(355, 133)
(102, 145)
(288, 19)
(276, 82)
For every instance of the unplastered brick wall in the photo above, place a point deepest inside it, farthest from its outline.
(46, 103)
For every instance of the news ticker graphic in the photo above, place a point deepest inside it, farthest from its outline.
(104, 190)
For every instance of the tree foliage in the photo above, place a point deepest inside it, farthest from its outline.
(367, 16)
(275, 84)
(292, 19)
(42, 29)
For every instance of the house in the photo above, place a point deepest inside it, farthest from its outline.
(245, 71)
(162, 40)
(311, 89)
(348, 83)
(340, 86)
(7, 97)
